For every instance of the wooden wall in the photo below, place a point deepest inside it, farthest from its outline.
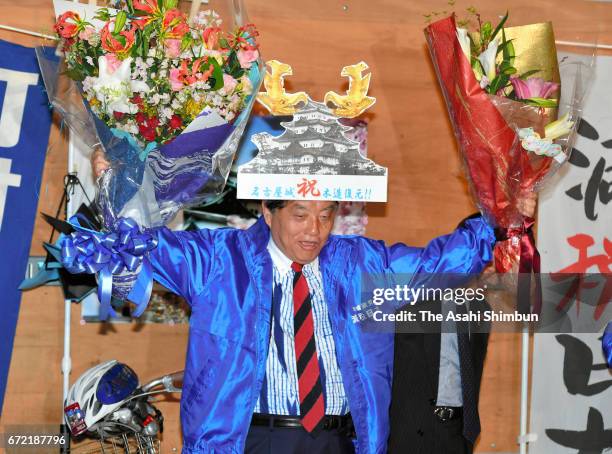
(409, 133)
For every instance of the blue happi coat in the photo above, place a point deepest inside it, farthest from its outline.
(226, 275)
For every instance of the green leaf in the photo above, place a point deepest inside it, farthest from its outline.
(119, 22)
(504, 45)
(146, 33)
(505, 52)
(169, 4)
(121, 39)
(75, 74)
(102, 14)
(130, 6)
(186, 41)
(477, 68)
(511, 51)
(498, 83)
(541, 102)
(499, 26)
(526, 74)
(233, 67)
(485, 32)
(217, 74)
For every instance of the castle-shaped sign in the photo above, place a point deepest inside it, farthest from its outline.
(311, 160)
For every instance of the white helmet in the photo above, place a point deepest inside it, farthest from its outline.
(98, 392)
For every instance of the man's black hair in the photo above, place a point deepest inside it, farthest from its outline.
(277, 204)
(274, 204)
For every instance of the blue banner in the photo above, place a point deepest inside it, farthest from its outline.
(25, 122)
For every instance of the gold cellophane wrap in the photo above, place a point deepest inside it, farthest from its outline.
(534, 47)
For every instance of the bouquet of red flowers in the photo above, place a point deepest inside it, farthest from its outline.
(502, 90)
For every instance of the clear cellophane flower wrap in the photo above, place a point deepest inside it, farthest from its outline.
(499, 170)
(159, 162)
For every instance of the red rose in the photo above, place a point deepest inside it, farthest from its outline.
(147, 133)
(118, 115)
(152, 122)
(176, 122)
(136, 99)
(141, 118)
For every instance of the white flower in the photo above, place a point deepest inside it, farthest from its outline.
(464, 41)
(167, 113)
(89, 60)
(88, 83)
(208, 18)
(487, 59)
(484, 81)
(114, 89)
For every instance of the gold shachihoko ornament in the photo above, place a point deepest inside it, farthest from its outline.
(350, 105)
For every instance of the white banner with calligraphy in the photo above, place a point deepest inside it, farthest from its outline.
(571, 401)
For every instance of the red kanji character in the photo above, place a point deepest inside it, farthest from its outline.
(575, 271)
(308, 186)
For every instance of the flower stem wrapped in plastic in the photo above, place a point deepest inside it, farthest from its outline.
(165, 97)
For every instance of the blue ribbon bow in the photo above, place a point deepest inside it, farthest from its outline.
(125, 248)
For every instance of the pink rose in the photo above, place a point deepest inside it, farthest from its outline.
(173, 48)
(229, 83)
(247, 57)
(113, 62)
(175, 81)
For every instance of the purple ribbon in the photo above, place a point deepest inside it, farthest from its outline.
(125, 248)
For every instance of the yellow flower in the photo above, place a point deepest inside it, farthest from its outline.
(193, 108)
(558, 128)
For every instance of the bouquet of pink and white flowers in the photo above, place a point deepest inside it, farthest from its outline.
(167, 97)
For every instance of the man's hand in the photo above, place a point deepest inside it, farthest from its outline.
(99, 164)
(527, 203)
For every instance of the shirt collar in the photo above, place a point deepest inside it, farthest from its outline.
(283, 263)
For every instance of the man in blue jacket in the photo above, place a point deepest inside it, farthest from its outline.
(275, 362)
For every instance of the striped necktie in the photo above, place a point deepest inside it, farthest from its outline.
(312, 406)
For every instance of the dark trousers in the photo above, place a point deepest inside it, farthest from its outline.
(286, 440)
(441, 438)
(448, 438)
